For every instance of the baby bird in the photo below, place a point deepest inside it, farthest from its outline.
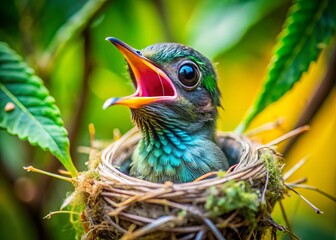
(175, 108)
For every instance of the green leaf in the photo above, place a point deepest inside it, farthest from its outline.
(28, 111)
(307, 30)
(217, 26)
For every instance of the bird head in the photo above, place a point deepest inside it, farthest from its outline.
(173, 82)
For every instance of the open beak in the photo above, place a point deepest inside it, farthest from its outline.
(152, 84)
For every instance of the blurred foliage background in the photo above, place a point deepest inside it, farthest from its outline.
(64, 42)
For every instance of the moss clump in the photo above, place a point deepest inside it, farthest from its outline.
(86, 192)
(275, 185)
(233, 196)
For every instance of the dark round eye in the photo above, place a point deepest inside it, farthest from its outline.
(188, 75)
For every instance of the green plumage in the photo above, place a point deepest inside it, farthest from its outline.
(178, 136)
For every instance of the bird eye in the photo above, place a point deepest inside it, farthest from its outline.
(188, 75)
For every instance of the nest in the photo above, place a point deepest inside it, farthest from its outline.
(221, 205)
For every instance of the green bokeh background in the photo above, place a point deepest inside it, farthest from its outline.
(238, 35)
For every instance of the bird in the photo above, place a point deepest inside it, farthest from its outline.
(175, 108)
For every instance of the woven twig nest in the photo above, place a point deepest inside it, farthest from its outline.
(225, 205)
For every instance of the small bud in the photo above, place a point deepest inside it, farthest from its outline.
(9, 107)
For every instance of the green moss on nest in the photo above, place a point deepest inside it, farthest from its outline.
(86, 192)
(275, 187)
(233, 196)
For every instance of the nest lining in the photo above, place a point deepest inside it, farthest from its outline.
(232, 205)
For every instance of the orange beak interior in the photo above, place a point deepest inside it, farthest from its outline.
(152, 84)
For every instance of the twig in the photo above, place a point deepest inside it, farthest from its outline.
(188, 229)
(214, 229)
(49, 215)
(190, 236)
(265, 127)
(281, 228)
(317, 210)
(265, 188)
(63, 172)
(137, 218)
(149, 228)
(129, 232)
(252, 230)
(298, 181)
(285, 218)
(327, 195)
(117, 226)
(295, 167)
(209, 174)
(32, 169)
(149, 195)
(227, 220)
(231, 168)
(286, 136)
(117, 211)
(200, 235)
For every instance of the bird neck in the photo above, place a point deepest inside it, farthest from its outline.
(169, 130)
(168, 136)
(165, 151)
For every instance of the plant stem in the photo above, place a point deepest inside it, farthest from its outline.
(71, 29)
(32, 169)
(77, 118)
(58, 212)
(161, 8)
(287, 136)
(286, 219)
(316, 101)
